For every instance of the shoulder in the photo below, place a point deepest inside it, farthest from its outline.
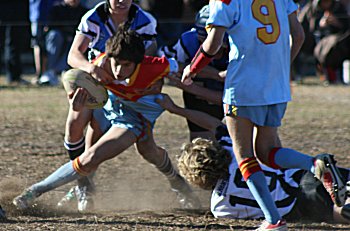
(152, 60)
(96, 14)
(140, 18)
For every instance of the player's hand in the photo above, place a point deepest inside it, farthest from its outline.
(101, 75)
(175, 80)
(78, 98)
(167, 103)
(187, 76)
(222, 74)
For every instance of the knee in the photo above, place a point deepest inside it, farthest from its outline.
(152, 154)
(88, 161)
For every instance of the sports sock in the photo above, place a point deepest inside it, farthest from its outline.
(255, 179)
(166, 167)
(289, 158)
(75, 149)
(61, 176)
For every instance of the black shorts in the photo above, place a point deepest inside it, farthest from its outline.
(193, 102)
(313, 203)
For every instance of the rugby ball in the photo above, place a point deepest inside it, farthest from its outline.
(74, 78)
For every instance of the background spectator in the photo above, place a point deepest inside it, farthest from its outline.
(38, 12)
(12, 29)
(326, 25)
(63, 18)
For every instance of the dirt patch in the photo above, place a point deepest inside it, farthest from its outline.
(131, 194)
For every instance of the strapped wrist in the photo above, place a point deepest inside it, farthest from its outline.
(200, 60)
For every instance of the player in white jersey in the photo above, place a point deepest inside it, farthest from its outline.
(257, 91)
(211, 165)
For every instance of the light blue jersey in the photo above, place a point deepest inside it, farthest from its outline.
(259, 68)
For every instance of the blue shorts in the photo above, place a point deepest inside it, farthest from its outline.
(266, 115)
(122, 116)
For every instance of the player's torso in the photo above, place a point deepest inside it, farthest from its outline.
(149, 71)
(259, 50)
(99, 27)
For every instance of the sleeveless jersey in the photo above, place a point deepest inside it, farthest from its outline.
(259, 68)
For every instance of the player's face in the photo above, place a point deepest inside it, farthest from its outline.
(120, 6)
(122, 69)
(72, 3)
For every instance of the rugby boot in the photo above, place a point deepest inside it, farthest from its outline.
(68, 198)
(2, 214)
(281, 225)
(331, 178)
(184, 193)
(85, 198)
(24, 200)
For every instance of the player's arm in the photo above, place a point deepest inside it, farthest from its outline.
(208, 72)
(204, 55)
(297, 34)
(202, 119)
(202, 92)
(76, 59)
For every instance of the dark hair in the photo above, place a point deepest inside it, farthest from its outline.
(125, 45)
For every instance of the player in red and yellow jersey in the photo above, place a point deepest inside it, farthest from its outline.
(126, 119)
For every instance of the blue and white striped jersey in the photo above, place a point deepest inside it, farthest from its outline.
(98, 26)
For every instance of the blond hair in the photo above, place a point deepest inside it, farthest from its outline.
(203, 162)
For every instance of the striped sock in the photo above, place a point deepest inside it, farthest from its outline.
(75, 149)
(166, 167)
(255, 179)
(78, 167)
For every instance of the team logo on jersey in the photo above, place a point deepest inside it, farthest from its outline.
(230, 110)
(227, 2)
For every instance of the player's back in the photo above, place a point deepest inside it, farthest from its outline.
(259, 49)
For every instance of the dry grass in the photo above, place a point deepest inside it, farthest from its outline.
(31, 134)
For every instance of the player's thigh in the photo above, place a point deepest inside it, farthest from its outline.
(241, 133)
(146, 145)
(266, 139)
(112, 143)
(77, 121)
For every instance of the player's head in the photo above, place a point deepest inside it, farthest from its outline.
(125, 45)
(200, 22)
(203, 162)
(72, 3)
(118, 6)
(200, 25)
(125, 49)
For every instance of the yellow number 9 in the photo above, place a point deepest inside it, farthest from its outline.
(267, 18)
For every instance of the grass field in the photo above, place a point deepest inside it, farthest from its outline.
(131, 193)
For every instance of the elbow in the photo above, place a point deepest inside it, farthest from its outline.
(301, 37)
(70, 60)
